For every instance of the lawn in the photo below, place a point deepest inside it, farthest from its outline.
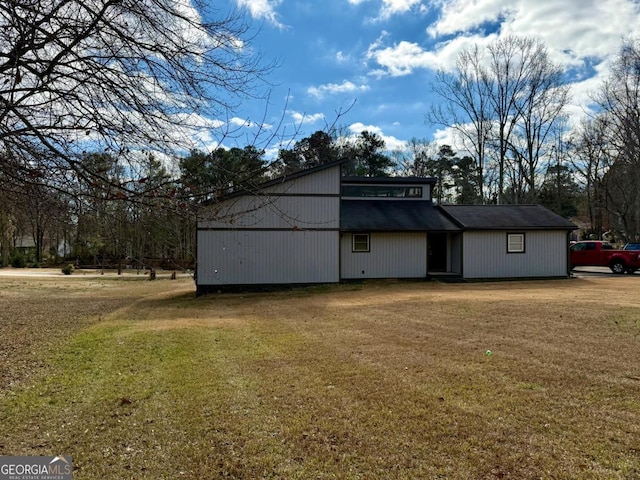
(395, 380)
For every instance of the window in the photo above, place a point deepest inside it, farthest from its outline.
(388, 191)
(515, 243)
(360, 242)
(578, 247)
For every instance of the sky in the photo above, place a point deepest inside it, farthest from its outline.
(374, 60)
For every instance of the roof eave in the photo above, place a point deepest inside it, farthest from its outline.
(388, 180)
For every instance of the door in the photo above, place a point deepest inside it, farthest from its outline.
(584, 253)
(437, 252)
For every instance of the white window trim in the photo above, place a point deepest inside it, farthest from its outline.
(353, 243)
(516, 246)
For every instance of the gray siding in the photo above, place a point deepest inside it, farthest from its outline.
(392, 255)
(287, 235)
(244, 257)
(485, 255)
(322, 182)
(259, 212)
(426, 192)
(290, 233)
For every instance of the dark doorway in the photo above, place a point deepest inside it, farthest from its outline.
(437, 252)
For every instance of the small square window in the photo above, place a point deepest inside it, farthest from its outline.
(515, 243)
(360, 242)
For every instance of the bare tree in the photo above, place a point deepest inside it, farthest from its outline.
(511, 88)
(413, 159)
(526, 93)
(507, 79)
(540, 118)
(619, 101)
(7, 228)
(466, 106)
(591, 159)
(119, 76)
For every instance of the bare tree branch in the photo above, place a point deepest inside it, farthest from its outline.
(115, 75)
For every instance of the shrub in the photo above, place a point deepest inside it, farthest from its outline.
(67, 269)
(18, 261)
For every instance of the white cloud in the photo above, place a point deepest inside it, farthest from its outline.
(390, 142)
(336, 88)
(405, 57)
(271, 153)
(575, 30)
(342, 58)
(390, 8)
(360, 127)
(304, 118)
(582, 103)
(581, 35)
(572, 29)
(401, 59)
(462, 16)
(262, 10)
(397, 7)
(240, 122)
(449, 136)
(245, 122)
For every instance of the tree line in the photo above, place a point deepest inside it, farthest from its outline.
(96, 224)
(99, 101)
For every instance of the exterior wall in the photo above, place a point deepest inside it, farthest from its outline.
(485, 255)
(245, 257)
(426, 192)
(273, 212)
(319, 183)
(391, 255)
(288, 234)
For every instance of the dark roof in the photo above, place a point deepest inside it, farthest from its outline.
(393, 216)
(388, 180)
(507, 217)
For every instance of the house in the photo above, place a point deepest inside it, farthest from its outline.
(316, 226)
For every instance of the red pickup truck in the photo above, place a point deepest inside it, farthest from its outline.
(602, 254)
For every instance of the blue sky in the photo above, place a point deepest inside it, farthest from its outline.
(382, 54)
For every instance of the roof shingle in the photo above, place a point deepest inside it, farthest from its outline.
(507, 217)
(393, 216)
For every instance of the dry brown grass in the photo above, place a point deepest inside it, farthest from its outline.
(38, 313)
(382, 380)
